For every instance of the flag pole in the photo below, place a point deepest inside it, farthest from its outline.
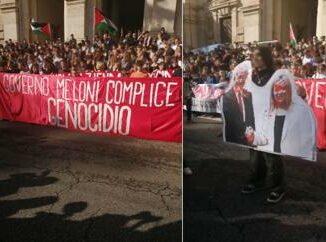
(51, 37)
(94, 19)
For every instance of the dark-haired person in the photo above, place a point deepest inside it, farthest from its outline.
(74, 71)
(48, 67)
(206, 77)
(63, 67)
(307, 70)
(35, 69)
(165, 36)
(187, 95)
(260, 86)
(23, 68)
(2, 66)
(320, 72)
(161, 71)
(11, 67)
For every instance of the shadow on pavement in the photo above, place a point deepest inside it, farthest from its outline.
(48, 226)
(11, 185)
(107, 227)
(215, 210)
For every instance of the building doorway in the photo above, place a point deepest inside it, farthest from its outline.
(226, 30)
(126, 14)
(303, 16)
(51, 11)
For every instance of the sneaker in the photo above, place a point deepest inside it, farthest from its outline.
(251, 188)
(187, 171)
(275, 196)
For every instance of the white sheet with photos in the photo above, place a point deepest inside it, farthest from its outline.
(271, 118)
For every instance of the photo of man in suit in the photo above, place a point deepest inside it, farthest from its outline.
(237, 110)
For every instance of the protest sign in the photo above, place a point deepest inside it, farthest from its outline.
(270, 118)
(316, 98)
(143, 108)
(206, 98)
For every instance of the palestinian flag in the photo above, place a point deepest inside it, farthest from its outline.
(41, 28)
(103, 24)
(293, 40)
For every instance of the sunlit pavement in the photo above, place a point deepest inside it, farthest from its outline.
(59, 185)
(214, 209)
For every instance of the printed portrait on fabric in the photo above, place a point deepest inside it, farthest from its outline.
(274, 119)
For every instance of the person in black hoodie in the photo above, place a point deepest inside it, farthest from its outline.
(262, 62)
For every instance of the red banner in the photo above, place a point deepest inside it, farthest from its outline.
(144, 108)
(316, 98)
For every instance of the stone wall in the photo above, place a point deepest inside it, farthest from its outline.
(321, 18)
(167, 13)
(76, 16)
(252, 20)
(9, 17)
(198, 29)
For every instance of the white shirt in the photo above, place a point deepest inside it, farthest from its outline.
(306, 60)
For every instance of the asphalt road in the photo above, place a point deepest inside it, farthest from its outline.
(59, 185)
(214, 209)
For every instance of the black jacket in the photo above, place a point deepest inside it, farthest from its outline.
(235, 126)
(260, 78)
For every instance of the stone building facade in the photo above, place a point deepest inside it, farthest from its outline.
(76, 16)
(243, 21)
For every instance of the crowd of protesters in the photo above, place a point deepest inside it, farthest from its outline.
(131, 54)
(305, 60)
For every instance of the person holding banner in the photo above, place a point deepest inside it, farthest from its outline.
(284, 124)
(260, 85)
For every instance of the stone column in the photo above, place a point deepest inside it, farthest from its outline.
(148, 13)
(216, 27)
(252, 21)
(160, 13)
(321, 18)
(89, 16)
(178, 19)
(278, 32)
(9, 14)
(267, 21)
(24, 18)
(234, 21)
(188, 41)
(74, 17)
